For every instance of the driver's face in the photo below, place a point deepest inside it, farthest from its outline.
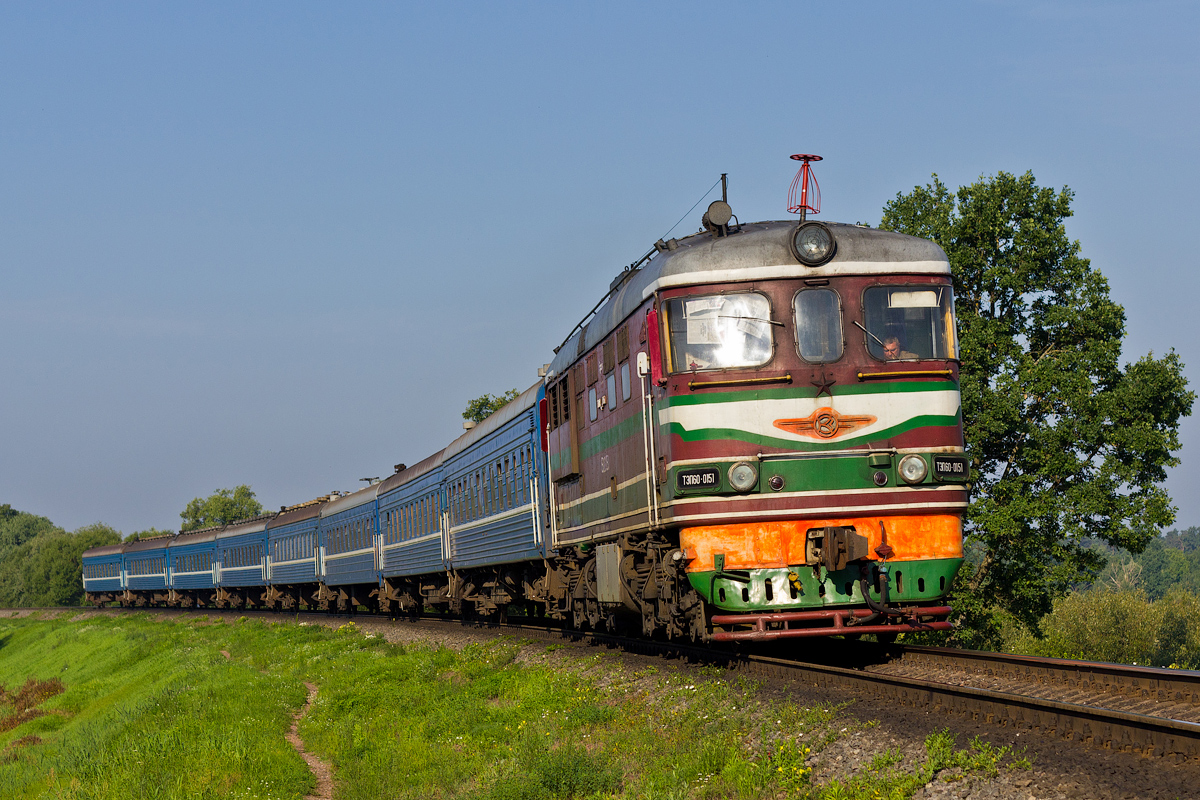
(891, 350)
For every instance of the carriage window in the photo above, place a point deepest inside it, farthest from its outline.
(819, 325)
(910, 322)
(719, 331)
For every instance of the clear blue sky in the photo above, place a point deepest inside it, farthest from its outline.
(283, 244)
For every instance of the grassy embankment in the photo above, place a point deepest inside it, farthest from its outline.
(120, 707)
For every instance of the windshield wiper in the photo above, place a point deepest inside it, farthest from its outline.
(751, 319)
(868, 333)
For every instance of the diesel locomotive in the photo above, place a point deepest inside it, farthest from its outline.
(756, 434)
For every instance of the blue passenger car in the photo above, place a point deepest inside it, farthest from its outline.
(241, 554)
(103, 576)
(193, 566)
(410, 520)
(146, 566)
(241, 563)
(348, 539)
(494, 488)
(293, 546)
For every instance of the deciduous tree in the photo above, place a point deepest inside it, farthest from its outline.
(45, 570)
(149, 533)
(18, 527)
(485, 405)
(220, 508)
(1065, 442)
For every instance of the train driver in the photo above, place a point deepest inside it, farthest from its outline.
(892, 351)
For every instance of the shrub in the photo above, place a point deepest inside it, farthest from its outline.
(1120, 626)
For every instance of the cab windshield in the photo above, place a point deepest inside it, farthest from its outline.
(905, 323)
(719, 331)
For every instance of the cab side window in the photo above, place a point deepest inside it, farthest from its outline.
(818, 315)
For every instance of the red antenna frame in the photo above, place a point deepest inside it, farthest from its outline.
(810, 192)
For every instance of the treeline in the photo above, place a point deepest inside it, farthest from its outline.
(1169, 562)
(1123, 626)
(40, 563)
(1142, 608)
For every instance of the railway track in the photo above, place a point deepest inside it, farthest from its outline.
(1150, 711)
(1146, 710)
(1153, 712)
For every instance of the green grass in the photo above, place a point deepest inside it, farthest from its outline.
(151, 709)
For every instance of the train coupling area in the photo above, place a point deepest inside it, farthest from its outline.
(825, 622)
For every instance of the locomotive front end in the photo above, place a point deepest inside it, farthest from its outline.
(809, 413)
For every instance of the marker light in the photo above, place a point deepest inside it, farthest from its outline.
(913, 469)
(743, 476)
(813, 244)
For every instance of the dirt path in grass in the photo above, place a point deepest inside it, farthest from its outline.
(320, 770)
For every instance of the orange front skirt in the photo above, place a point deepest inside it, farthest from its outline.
(766, 545)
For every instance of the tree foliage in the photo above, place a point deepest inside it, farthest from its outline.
(220, 508)
(1169, 562)
(149, 533)
(1065, 442)
(18, 527)
(40, 563)
(1118, 625)
(485, 405)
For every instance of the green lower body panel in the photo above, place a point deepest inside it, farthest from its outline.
(800, 588)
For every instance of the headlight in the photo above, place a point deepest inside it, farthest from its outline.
(813, 244)
(913, 469)
(743, 476)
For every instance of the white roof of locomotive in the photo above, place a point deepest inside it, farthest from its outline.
(759, 251)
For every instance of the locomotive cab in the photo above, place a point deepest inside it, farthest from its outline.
(812, 438)
(800, 464)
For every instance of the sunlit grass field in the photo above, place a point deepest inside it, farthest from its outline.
(135, 707)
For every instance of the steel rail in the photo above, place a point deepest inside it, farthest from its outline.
(1153, 683)
(1096, 725)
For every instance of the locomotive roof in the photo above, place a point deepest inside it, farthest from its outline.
(759, 251)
